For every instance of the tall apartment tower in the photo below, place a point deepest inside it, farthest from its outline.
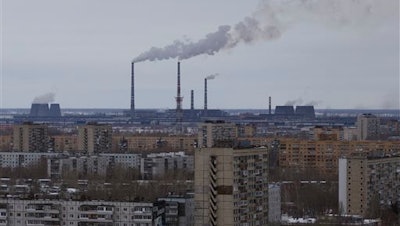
(367, 127)
(94, 138)
(231, 186)
(213, 132)
(30, 137)
(367, 183)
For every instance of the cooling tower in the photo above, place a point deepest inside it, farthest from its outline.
(305, 111)
(39, 110)
(55, 110)
(284, 110)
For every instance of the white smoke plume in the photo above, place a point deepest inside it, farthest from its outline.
(271, 19)
(297, 101)
(44, 99)
(313, 103)
(212, 76)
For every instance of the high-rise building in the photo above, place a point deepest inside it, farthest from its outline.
(213, 132)
(367, 127)
(367, 183)
(231, 186)
(94, 138)
(30, 137)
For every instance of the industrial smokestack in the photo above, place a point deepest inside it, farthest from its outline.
(191, 100)
(270, 107)
(179, 98)
(132, 113)
(205, 94)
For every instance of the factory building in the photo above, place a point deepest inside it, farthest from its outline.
(231, 186)
(368, 183)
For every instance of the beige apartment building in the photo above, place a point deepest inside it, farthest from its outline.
(94, 138)
(367, 183)
(324, 155)
(152, 142)
(30, 137)
(231, 186)
(65, 142)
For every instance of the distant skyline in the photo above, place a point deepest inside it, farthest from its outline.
(339, 54)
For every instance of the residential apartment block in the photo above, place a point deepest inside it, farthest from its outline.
(94, 138)
(368, 127)
(231, 186)
(30, 137)
(74, 213)
(324, 155)
(23, 159)
(366, 183)
(158, 164)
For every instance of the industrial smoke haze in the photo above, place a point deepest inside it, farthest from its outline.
(271, 19)
(44, 99)
(212, 76)
(299, 101)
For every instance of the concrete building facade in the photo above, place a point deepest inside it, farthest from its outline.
(94, 138)
(368, 127)
(231, 186)
(74, 213)
(212, 132)
(324, 155)
(366, 183)
(30, 137)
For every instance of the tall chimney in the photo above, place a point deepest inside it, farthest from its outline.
(191, 100)
(132, 113)
(179, 98)
(269, 109)
(205, 94)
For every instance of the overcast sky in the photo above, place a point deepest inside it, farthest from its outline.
(333, 55)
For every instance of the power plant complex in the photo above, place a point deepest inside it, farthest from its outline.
(177, 116)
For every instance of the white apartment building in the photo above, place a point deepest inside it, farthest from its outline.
(74, 213)
(274, 203)
(23, 159)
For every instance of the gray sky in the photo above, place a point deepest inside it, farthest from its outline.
(335, 55)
